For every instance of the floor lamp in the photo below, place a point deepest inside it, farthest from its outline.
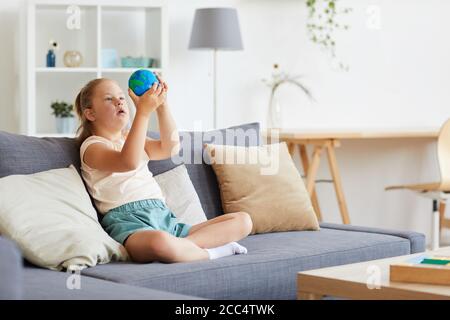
(215, 29)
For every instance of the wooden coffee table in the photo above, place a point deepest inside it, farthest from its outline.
(351, 281)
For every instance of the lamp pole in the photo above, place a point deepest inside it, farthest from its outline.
(215, 88)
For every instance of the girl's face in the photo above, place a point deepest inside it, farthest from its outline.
(109, 107)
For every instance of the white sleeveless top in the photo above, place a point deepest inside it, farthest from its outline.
(113, 189)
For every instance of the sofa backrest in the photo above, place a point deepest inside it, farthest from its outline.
(20, 154)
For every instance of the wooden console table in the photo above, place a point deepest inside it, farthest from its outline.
(328, 140)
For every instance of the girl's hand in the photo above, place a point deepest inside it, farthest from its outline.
(162, 82)
(150, 100)
(164, 86)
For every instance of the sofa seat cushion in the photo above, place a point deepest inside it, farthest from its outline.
(269, 269)
(43, 284)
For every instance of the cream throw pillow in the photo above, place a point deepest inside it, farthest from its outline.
(50, 216)
(180, 195)
(264, 182)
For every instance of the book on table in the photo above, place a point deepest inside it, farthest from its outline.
(429, 269)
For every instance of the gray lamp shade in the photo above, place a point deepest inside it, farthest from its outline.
(216, 28)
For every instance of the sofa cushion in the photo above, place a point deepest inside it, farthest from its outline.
(56, 227)
(269, 269)
(416, 240)
(42, 284)
(180, 196)
(264, 182)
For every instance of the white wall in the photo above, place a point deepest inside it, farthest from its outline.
(9, 72)
(398, 78)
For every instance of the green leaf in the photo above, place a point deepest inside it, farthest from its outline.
(62, 109)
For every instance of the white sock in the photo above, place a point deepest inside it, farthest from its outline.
(226, 250)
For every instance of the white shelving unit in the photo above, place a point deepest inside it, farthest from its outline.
(133, 28)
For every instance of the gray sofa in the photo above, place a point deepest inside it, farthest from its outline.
(268, 271)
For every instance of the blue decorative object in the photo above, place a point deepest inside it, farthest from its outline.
(141, 80)
(110, 58)
(139, 62)
(51, 58)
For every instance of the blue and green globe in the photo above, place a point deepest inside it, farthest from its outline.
(141, 80)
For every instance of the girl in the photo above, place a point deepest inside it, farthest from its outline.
(114, 167)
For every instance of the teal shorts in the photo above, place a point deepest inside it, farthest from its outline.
(151, 214)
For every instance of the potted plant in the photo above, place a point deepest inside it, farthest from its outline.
(64, 116)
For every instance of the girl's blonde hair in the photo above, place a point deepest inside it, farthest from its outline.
(83, 101)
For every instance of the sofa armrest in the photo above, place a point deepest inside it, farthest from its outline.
(416, 240)
(11, 273)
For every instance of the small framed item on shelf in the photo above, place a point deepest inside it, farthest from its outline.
(423, 269)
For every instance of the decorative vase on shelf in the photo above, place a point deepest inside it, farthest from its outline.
(65, 125)
(73, 59)
(51, 59)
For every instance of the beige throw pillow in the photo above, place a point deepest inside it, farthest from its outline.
(50, 216)
(264, 182)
